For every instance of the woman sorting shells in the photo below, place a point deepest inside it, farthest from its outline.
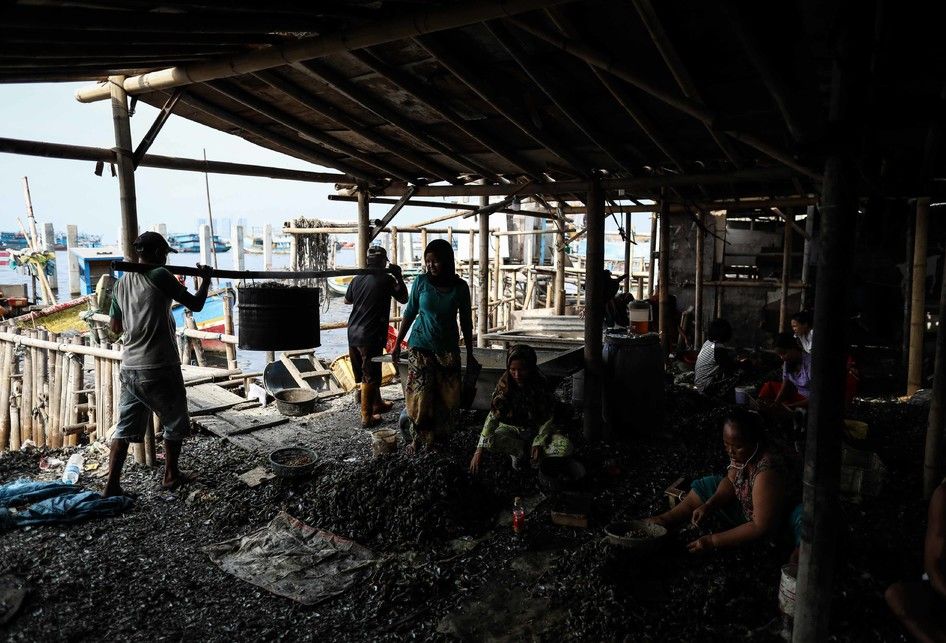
(521, 414)
(434, 385)
(757, 498)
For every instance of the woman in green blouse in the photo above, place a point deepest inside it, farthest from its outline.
(433, 376)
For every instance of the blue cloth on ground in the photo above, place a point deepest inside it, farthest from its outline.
(54, 503)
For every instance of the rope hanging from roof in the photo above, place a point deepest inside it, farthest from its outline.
(312, 253)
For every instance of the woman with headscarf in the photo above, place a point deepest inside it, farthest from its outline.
(433, 375)
(521, 414)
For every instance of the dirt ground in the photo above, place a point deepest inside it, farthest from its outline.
(449, 565)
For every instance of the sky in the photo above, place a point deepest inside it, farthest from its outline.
(65, 191)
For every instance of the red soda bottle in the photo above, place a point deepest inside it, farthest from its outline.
(518, 516)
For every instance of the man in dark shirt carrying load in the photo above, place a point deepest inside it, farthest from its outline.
(370, 297)
(151, 376)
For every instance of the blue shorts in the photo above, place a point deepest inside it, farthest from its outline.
(153, 390)
(733, 515)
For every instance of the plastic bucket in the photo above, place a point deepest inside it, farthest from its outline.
(743, 393)
(786, 590)
(383, 441)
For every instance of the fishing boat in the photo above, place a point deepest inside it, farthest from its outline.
(12, 240)
(93, 263)
(255, 246)
(190, 243)
(5, 256)
(338, 286)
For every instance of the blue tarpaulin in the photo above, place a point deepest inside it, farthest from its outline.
(53, 503)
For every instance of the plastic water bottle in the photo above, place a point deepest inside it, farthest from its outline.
(518, 516)
(73, 469)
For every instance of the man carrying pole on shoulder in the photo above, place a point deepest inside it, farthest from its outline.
(151, 378)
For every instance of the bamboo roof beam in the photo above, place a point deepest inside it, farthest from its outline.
(415, 88)
(304, 151)
(359, 37)
(484, 89)
(679, 71)
(338, 83)
(574, 186)
(561, 100)
(605, 61)
(305, 130)
(729, 204)
(461, 207)
(148, 140)
(83, 153)
(331, 112)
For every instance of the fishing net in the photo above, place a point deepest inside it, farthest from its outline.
(312, 253)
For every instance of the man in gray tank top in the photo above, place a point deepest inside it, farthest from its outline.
(151, 376)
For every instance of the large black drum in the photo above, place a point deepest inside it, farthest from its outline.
(278, 319)
(634, 383)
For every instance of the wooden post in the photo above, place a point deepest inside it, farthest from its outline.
(116, 385)
(719, 263)
(236, 241)
(364, 228)
(150, 455)
(933, 460)
(15, 432)
(26, 395)
(267, 247)
(206, 245)
(918, 298)
(39, 377)
(806, 255)
(55, 388)
(783, 315)
(822, 513)
(105, 392)
(450, 236)
(6, 372)
(228, 329)
(698, 286)
(423, 244)
(78, 384)
(497, 283)
(72, 241)
(594, 311)
(393, 258)
(559, 294)
(653, 252)
(627, 252)
(482, 309)
(124, 156)
(470, 274)
(663, 281)
(49, 245)
(194, 343)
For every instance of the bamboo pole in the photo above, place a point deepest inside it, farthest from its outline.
(61, 347)
(806, 254)
(151, 456)
(918, 298)
(26, 396)
(594, 312)
(395, 308)
(364, 229)
(78, 384)
(698, 286)
(195, 344)
(482, 305)
(497, 283)
(558, 293)
(423, 243)
(55, 391)
(933, 464)
(6, 379)
(450, 236)
(39, 378)
(15, 430)
(663, 281)
(65, 396)
(653, 253)
(105, 391)
(228, 329)
(116, 390)
(786, 273)
(470, 275)
(124, 156)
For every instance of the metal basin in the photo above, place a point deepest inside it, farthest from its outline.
(635, 534)
(295, 402)
(293, 462)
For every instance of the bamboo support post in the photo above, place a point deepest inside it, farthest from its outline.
(559, 289)
(482, 302)
(26, 396)
(39, 379)
(93, 418)
(806, 254)
(786, 273)
(55, 390)
(663, 281)
(698, 286)
(423, 243)
(228, 329)
(497, 280)
(393, 257)
(364, 228)
(78, 384)
(653, 253)
(124, 157)
(105, 393)
(918, 298)
(933, 464)
(15, 431)
(594, 312)
(6, 379)
(627, 252)
(195, 345)
(116, 388)
(150, 455)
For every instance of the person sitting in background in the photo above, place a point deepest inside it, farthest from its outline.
(615, 310)
(757, 498)
(921, 605)
(801, 326)
(521, 414)
(795, 388)
(715, 370)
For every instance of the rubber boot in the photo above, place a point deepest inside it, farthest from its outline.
(380, 405)
(368, 416)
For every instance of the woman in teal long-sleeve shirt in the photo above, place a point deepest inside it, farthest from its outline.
(433, 388)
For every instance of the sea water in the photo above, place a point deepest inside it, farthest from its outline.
(334, 342)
